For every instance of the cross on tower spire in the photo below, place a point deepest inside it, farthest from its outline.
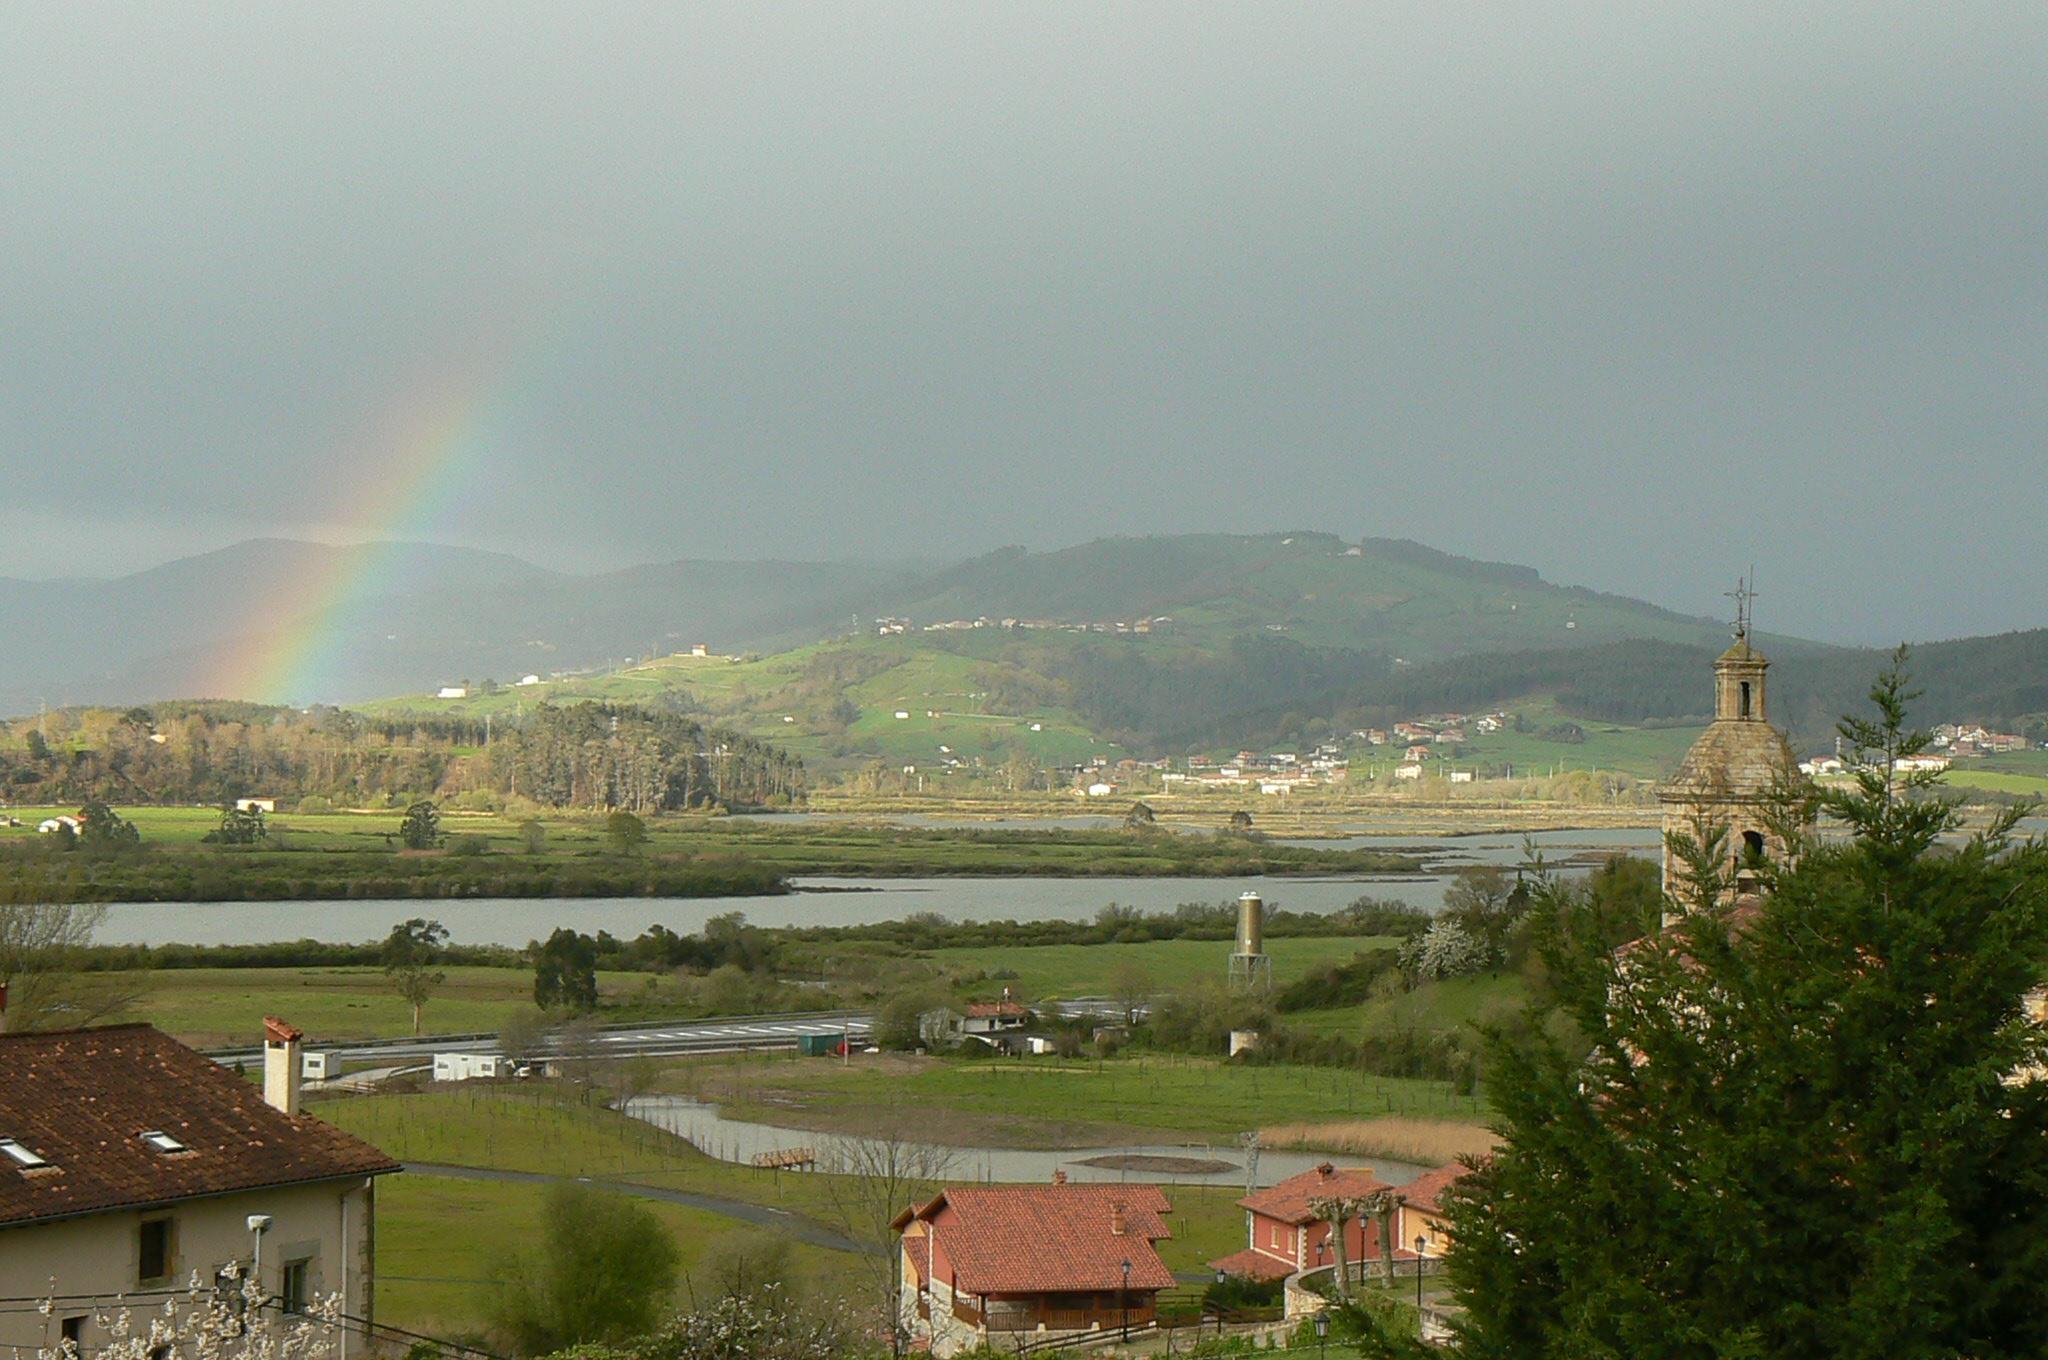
(1744, 596)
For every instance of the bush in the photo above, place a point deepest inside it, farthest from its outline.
(601, 1272)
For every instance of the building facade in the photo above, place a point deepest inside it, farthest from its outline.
(982, 1264)
(129, 1165)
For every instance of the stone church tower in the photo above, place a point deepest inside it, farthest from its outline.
(1730, 771)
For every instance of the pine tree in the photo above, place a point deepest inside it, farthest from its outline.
(1810, 1123)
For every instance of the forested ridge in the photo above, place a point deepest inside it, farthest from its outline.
(583, 756)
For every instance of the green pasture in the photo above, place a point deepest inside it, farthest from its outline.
(809, 847)
(1181, 1096)
(440, 1240)
(1433, 1007)
(223, 1007)
(1069, 970)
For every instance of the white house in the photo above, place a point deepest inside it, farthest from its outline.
(529, 680)
(469, 1066)
(1407, 772)
(255, 805)
(130, 1164)
(452, 692)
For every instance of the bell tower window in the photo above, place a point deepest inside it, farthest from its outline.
(1743, 702)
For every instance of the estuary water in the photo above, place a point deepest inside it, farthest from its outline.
(514, 921)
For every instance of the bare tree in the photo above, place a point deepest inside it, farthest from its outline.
(43, 990)
(1130, 986)
(873, 1179)
(1335, 1210)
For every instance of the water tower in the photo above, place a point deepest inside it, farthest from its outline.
(1250, 968)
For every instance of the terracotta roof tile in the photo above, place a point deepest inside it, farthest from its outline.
(1254, 1264)
(1288, 1200)
(80, 1099)
(1425, 1192)
(1035, 1239)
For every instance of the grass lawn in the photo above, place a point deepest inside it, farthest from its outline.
(533, 1128)
(1434, 1006)
(214, 1007)
(1015, 1099)
(439, 1241)
(1088, 970)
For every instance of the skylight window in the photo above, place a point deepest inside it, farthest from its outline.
(163, 1142)
(25, 1158)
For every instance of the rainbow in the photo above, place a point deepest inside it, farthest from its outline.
(405, 481)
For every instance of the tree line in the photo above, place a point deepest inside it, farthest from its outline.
(586, 756)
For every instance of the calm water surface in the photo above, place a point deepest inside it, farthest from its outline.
(836, 901)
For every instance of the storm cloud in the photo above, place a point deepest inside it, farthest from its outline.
(1636, 295)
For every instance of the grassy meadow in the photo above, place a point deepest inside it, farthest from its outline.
(1046, 1102)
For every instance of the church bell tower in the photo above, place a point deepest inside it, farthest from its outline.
(1728, 776)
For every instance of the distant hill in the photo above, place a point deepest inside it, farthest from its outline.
(1146, 645)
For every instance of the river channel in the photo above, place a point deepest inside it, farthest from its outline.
(514, 921)
(738, 1140)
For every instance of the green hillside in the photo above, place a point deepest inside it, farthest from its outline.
(1385, 595)
(1210, 642)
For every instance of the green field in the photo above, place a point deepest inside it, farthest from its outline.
(439, 1241)
(349, 855)
(223, 1007)
(1182, 1097)
(943, 693)
(1433, 1007)
(1051, 971)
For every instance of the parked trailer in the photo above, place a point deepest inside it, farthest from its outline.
(469, 1066)
(320, 1066)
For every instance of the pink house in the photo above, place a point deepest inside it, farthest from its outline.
(1286, 1235)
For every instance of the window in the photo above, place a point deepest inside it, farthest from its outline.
(1745, 698)
(153, 1260)
(72, 1331)
(163, 1142)
(22, 1157)
(292, 1295)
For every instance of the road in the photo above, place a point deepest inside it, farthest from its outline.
(730, 1034)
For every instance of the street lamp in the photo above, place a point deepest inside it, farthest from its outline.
(1124, 1299)
(258, 1224)
(1420, 1243)
(1322, 1334)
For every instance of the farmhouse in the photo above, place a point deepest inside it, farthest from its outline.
(983, 1262)
(1422, 1211)
(130, 1164)
(1286, 1234)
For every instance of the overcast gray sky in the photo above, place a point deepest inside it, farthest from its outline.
(1632, 294)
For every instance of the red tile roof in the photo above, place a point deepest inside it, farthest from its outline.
(1288, 1200)
(1254, 1264)
(79, 1099)
(1425, 1192)
(1043, 1239)
(985, 1010)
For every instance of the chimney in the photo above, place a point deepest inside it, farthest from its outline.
(281, 1064)
(1324, 1171)
(1059, 1177)
(1118, 1225)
